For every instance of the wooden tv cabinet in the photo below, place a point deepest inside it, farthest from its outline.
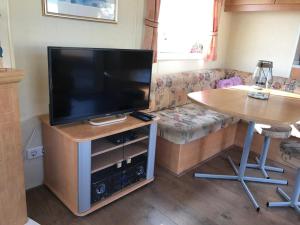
(74, 152)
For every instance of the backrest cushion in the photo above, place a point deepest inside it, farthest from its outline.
(170, 90)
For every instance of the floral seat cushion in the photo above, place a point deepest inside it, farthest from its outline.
(187, 123)
(290, 148)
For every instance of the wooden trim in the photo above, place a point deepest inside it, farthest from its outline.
(249, 2)
(180, 158)
(258, 7)
(10, 76)
(287, 2)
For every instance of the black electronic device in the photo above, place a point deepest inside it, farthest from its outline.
(101, 184)
(122, 138)
(86, 83)
(142, 116)
(111, 180)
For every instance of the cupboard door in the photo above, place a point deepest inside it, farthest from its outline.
(287, 2)
(249, 2)
(12, 190)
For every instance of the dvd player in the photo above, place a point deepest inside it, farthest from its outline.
(111, 180)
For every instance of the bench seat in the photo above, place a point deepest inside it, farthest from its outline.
(184, 124)
(189, 134)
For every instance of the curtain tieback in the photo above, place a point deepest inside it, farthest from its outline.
(151, 23)
(214, 34)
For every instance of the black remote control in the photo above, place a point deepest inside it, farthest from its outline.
(142, 116)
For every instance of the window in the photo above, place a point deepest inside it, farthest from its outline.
(184, 28)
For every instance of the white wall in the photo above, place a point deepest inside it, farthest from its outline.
(263, 35)
(32, 33)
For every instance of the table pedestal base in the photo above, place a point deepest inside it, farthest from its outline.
(264, 168)
(240, 173)
(290, 201)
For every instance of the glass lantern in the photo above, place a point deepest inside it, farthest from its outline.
(263, 75)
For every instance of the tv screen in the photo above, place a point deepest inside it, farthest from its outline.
(85, 83)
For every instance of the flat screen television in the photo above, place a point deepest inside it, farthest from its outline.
(86, 83)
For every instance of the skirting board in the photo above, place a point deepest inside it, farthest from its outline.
(31, 222)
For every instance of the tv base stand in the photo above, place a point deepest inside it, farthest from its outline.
(75, 154)
(108, 120)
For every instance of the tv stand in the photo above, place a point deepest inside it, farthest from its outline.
(76, 153)
(105, 121)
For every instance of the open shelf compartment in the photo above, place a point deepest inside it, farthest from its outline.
(111, 158)
(104, 145)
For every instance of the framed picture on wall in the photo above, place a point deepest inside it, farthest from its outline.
(93, 10)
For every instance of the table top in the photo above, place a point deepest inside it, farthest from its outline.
(282, 108)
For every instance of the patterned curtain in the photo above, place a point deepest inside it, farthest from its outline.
(151, 26)
(212, 52)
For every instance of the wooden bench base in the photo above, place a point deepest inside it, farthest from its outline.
(179, 158)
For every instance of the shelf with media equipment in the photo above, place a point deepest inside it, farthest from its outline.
(114, 149)
(104, 145)
(95, 152)
(88, 167)
(117, 156)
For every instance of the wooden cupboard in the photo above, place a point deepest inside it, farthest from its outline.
(13, 209)
(262, 5)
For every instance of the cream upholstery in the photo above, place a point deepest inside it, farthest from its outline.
(282, 132)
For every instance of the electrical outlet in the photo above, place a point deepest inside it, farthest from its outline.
(33, 153)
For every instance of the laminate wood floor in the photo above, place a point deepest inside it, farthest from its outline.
(170, 200)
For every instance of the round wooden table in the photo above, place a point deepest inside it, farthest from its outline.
(282, 108)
